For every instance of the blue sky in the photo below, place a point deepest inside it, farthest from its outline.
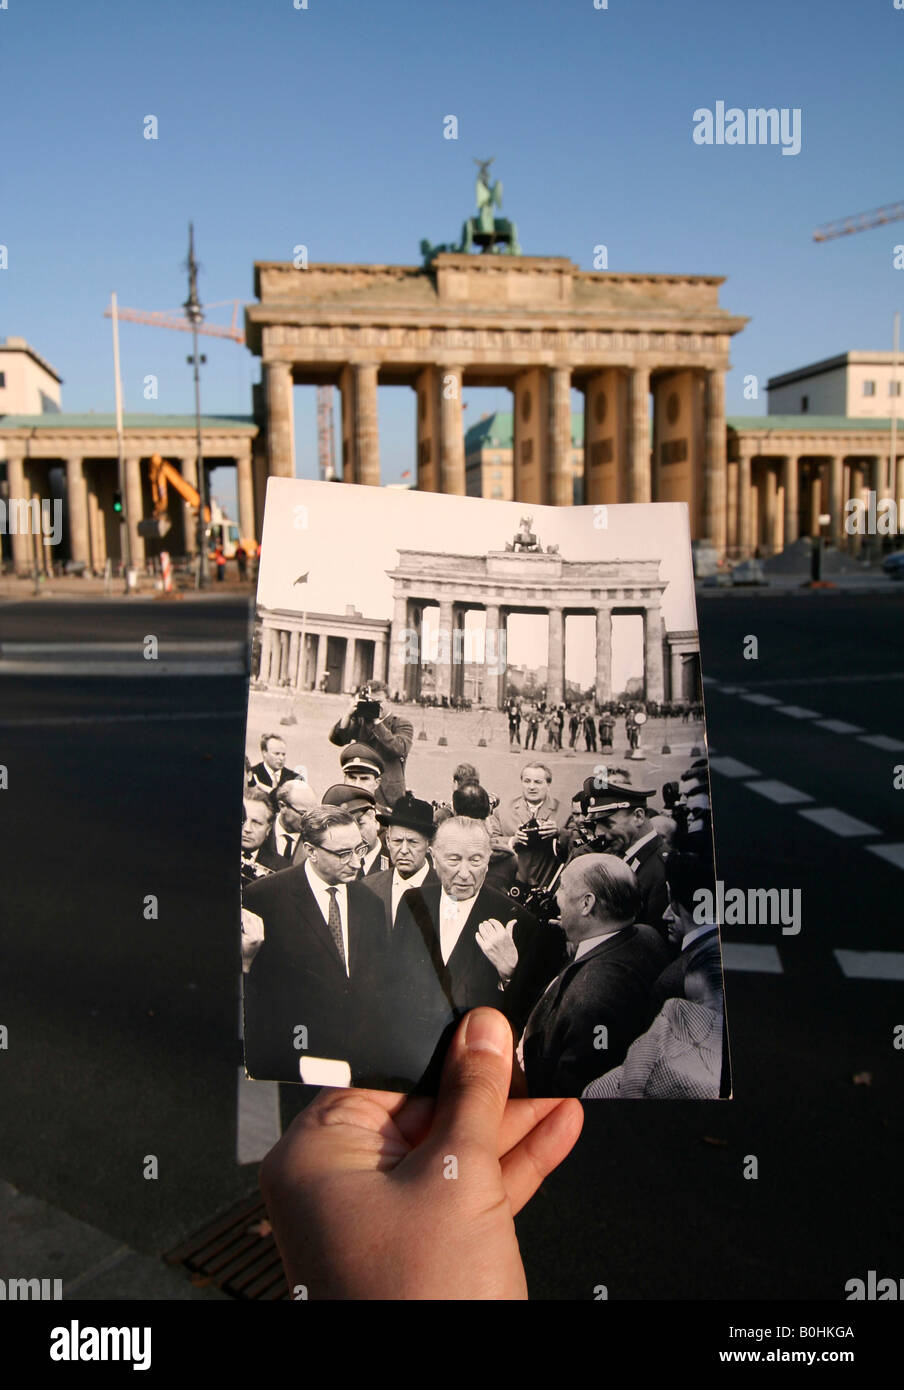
(324, 126)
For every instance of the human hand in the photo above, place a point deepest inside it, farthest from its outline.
(498, 945)
(252, 937)
(547, 829)
(519, 838)
(375, 1195)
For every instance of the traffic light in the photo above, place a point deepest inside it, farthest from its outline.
(117, 502)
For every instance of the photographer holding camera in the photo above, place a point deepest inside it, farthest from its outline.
(369, 720)
(528, 826)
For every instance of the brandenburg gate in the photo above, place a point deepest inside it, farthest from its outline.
(537, 325)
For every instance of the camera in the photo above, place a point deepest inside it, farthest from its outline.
(670, 793)
(367, 708)
(532, 828)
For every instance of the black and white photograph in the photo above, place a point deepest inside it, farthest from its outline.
(476, 774)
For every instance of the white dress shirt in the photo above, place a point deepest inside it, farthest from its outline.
(639, 844)
(590, 941)
(401, 885)
(281, 835)
(322, 895)
(452, 918)
(370, 858)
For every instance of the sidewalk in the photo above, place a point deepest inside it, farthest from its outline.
(43, 1242)
(782, 585)
(22, 587)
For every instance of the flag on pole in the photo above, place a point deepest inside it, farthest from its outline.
(302, 578)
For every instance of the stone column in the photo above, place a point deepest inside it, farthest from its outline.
(559, 487)
(444, 653)
(189, 469)
(639, 481)
(97, 532)
(347, 403)
(745, 547)
(280, 420)
(379, 671)
(458, 650)
(731, 539)
(134, 510)
(652, 653)
(769, 528)
(603, 654)
(676, 673)
(493, 681)
(266, 654)
(815, 499)
(348, 669)
(18, 490)
(77, 502)
(293, 658)
(555, 665)
(714, 458)
(836, 497)
(321, 640)
(245, 489)
(452, 439)
(398, 646)
(789, 467)
(428, 432)
(367, 439)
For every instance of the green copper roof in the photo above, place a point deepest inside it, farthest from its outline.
(816, 423)
(54, 420)
(496, 431)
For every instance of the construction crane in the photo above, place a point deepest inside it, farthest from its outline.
(326, 452)
(860, 222)
(171, 318)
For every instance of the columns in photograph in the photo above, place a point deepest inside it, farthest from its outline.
(604, 654)
(494, 681)
(639, 480)
(713, 517)
(134, 501)
(555, 665)
(398, 645)
(379, 671)
(348, 671)
(676, 675)
(292, 674)
(280, 419)
(77, 503)
(652, 653)
(559, 489)
(444, 651)
(452, 439)
(321, 641)
(266, 654)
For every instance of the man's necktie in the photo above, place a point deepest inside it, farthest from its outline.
(289, 846)
(335, 924)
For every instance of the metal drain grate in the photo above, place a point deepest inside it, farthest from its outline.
(237, 1253)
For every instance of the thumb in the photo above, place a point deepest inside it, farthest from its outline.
(475, 1083)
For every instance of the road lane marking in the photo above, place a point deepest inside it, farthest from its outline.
(731, 689)
(761, 699)
(839, 726)
(732, 767)
(889, 745)
(744, 955)
(839, 822)
(798, 712)
(871, 965)
(778, 791)
(893, 854)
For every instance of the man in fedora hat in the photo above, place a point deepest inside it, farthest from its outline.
(408, 830)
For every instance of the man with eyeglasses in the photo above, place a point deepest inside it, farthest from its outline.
(324, 941)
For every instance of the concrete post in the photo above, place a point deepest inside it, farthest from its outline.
(639, 481)
(77, 499)
(714, 458)
(280, 420)
(452, 439)
(652, 653)
(367, 439)
(559, 487)
(555, 666)
(603, 654)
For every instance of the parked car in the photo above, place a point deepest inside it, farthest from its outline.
(748, 572)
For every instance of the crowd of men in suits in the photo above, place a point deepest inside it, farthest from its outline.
(373, 919)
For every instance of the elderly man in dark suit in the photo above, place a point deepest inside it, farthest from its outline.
(323, 946)
(457, 944)
(595, 1008)
(408, 830)
(620, 824)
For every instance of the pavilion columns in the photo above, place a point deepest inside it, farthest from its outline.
(745, 497)
(494, 687)
(77, 502)
(444, 655)
(451, 432)
(379, 671)
(293, 658)
(245, 492)
(188, 467)
(836, 497)
(97, 531)
(266, 654)
(639, 482)
(768, 501)
(398, 646)
(559, 489)
(280, 419)
(676, 675)
(348, 673)
(815, 507)
(603, 654)
(18, 490)
(134, 501)
(789, 469)
(555, 669)
(320, 660)
(652, 653)
(713, 517)
(731, 534)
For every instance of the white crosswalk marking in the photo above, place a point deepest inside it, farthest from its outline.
(778, 791)
(871, 965)
(732, 767)
(746, 955)
(731, 689)
(889, 745)
(893, 853)
(838, 726)
(797, 712)
(839, 822)
(761, 699)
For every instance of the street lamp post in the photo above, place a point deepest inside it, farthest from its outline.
(195, 316)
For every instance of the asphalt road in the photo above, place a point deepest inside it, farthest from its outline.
(122, 1030)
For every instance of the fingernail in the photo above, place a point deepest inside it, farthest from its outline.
(487, 1031)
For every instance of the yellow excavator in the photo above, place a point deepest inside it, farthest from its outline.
(221, 532)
